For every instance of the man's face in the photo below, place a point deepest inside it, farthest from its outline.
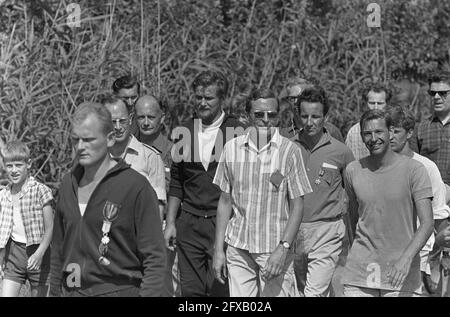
(17, 171)
(376, 100)
(149, 117)
(376, 137)
(208, 104)
(399, 137)
(90, 142)
(440, 94)
(264, 113)
(293, 92)
(128, 95)
(121, 121)
(311, 118)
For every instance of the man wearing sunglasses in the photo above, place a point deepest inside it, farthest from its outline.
(262, 178)
(432, 140)
(322, 230)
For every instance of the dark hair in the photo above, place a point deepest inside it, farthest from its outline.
(313, 94)
(260, 93)
(401, 117)
(375, 114)
(439, 76)
(210, 78)
(126, 82)
(378, 88)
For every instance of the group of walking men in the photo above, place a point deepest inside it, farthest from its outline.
(223, 209)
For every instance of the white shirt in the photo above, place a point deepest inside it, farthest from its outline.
(18, 230)
(82, 208)
(438, 204)
(207, 138)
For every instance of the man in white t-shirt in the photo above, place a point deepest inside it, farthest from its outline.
(402, 130)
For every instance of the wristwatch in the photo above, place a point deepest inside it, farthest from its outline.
(285, 244)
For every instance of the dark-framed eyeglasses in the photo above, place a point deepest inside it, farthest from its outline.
(442, 93)
(261, 114)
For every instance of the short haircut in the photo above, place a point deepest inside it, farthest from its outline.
(305, 82)
(260, 93)
(111, 99)
(98, 110)
(126, 82)
(210, 78)
(378, 88)
(401, 117)
(375, 114)
(314, 94)
(16, 151)
(162, 103)
(439, 76)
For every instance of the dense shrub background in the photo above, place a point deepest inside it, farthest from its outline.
(47, 68)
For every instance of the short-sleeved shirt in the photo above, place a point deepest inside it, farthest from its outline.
(432, 140)
(325, 165)
(33, 197)
(147, 162)
(355, 142)
(260, 184)
(387, 221)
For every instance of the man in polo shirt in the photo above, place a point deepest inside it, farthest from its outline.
(375, 96)
(263, 180)
(191, 184)
(291, 94)
(388, 191)
(322, 229)
(141, 157)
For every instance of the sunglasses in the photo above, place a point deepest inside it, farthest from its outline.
(261, 114)
(442, 93)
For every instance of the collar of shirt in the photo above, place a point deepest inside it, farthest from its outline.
(275, 141)
(30, 182)
(324, 140)
(133, 146)
(434, 118)
(215, 125)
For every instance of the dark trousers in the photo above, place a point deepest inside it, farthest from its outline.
(195, 249)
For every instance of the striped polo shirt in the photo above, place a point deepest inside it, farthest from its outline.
(260, 183)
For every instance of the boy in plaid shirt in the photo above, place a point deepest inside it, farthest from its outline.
(26, 225)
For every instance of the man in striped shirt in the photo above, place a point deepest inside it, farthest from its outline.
(263, 181)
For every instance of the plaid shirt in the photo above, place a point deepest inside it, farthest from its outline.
(355, 142)
(432, 140)
(260, 208)
(33, 197)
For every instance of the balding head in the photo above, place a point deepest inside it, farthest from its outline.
(149, 115)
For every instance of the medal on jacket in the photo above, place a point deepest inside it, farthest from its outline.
(110, 213)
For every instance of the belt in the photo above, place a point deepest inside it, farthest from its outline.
(206, 216)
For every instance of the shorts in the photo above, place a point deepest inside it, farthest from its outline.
(16, 259)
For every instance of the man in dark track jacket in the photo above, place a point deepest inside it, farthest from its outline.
(107, 238)
(195, 154)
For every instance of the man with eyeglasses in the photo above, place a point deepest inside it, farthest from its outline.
(432, 140)
(107, 237)
(291, 94)
(142, 158)
(375, 96)
(263, 180)
(321, 234)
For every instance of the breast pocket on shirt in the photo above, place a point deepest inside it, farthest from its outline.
(327, 177)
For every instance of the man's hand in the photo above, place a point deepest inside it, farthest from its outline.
(170, 236)
(398, 271)
(275, 263)
(219, 267)
(35, 261)
(443, 237)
